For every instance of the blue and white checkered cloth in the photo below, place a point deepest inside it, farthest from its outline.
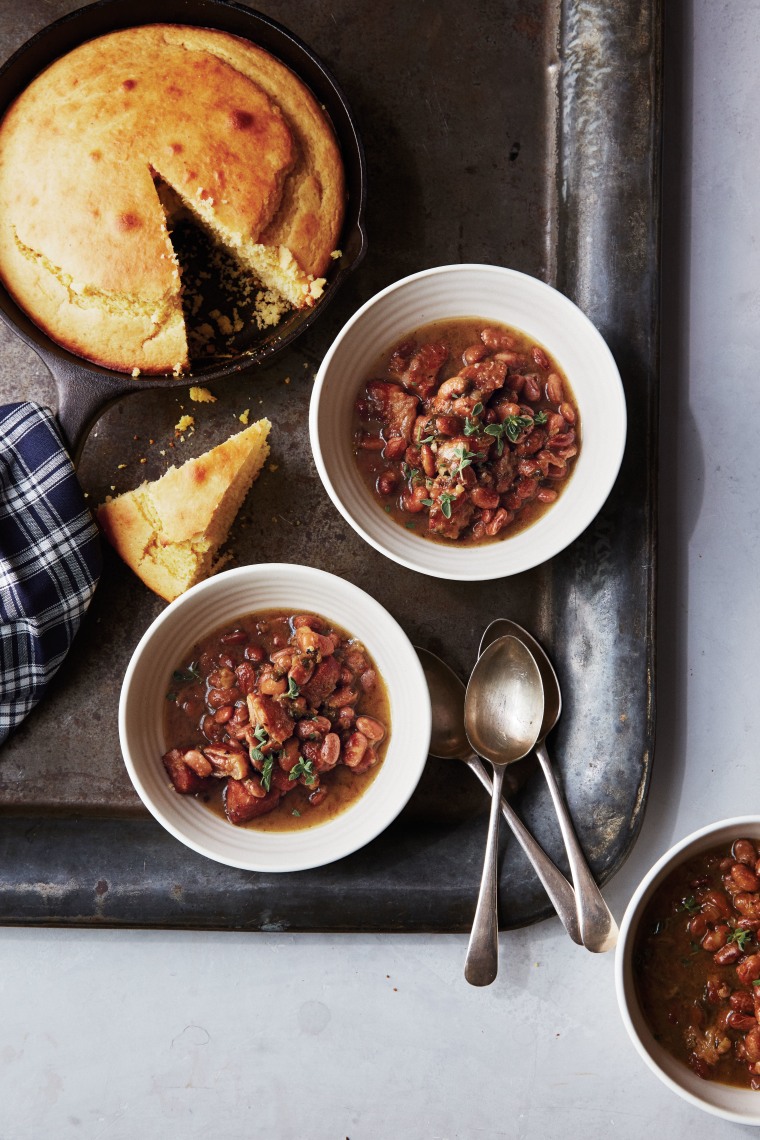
(49, 558)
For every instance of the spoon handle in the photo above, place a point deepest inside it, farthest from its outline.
(598, 928)
(482, 961)
(560, 892)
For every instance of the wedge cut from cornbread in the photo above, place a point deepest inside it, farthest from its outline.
(170, 531)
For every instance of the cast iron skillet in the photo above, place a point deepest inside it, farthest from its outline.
(85, 389)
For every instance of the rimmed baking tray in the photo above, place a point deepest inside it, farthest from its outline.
(523, 136)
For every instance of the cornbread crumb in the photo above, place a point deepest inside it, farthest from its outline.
(273, 467)
(202, 396)
(121, 466)
(243, 417)
(336, 253)
(184, 423)
(135, 372)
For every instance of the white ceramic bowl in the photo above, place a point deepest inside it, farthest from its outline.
(495, 294)
(736, 1104)
(207, 607)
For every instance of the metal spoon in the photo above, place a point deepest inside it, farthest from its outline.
(503, 713)
(598, 928)
(449, 742)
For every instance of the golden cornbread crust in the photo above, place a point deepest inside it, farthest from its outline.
(169, 531)
(84, 245)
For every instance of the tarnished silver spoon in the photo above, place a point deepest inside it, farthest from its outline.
(503, 713)
(598, 928)
(449, 742)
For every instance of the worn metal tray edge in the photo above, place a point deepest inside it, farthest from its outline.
(85, 870)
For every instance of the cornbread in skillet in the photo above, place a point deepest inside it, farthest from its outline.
(86, 149)
(169, 531)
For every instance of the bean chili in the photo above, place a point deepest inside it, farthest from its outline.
(466, 431)
(280, 713)
(697, 964)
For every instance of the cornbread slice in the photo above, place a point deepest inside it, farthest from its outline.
(169, 531)
(239, 140)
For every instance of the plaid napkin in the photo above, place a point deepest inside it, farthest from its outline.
(49, 558)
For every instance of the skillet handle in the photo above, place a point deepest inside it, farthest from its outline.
(83, 396)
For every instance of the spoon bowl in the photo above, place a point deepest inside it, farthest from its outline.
(503, 714)
(504, 704)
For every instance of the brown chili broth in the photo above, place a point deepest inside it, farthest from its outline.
(459, 333)
(670, 969)
(345, 787)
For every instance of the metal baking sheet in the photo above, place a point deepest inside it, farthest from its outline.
(526, 135)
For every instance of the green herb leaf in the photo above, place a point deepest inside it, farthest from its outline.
(478, 409)
(410, 525)
(387, 509)
(756, 982)
(185, 676)
(293, 690)
(303, 768)
(691, 905)
(446, 504)
(540, 417)
(255, 754)
(426, 502)
(296, 812)
(464, 456)
(516, 425)
(261, 734)
(740, 937)
(428, 438)
(266, 772)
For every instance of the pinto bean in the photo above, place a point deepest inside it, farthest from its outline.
(395, 447)
(222, 679)
(497, 339)
(329, 753)
(554, 390)
(716, 938)
(532, 389)
(315, 728)
(255, 654)
(748, 904)
(473, 353)
(318, 624)
(539, 356)
(742, 1002)
(501, 519)
(752, 1045)
(744, 851)
(354, 749)
(368, 680)
(744, 878)
(546, 495)
(310, 641)
(387, 482)
(215, 698)
(740, 1021)
(483, 497)
(749, 970)
(427, 455)
(728, 954)
(371, 728)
